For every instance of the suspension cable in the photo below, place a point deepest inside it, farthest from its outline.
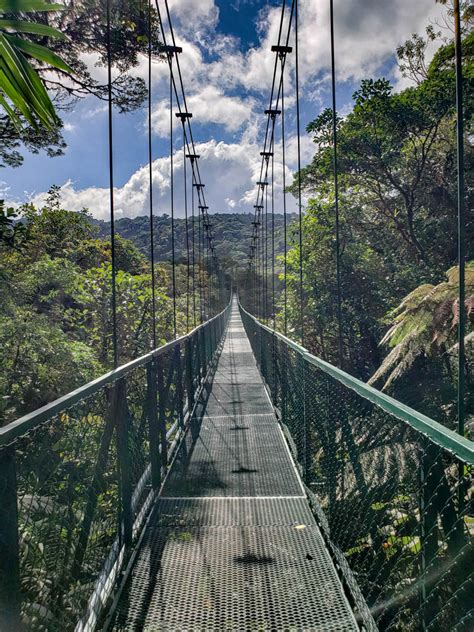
(183, 116)
(111, 191)
(461, 219)
(336, 190)
(285, 254)
(173, 253)
(192, 158)
(183, 109)
(280, 48)
(186, 227)
(180, 77)
(150, 175)
(200, 265)
(266, 249)
(273, 226)
(266, 140)
(300, 207)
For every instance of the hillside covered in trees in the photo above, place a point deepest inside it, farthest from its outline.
(231, 231)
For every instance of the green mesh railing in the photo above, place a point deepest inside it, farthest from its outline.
(78, 477)
(392, 488)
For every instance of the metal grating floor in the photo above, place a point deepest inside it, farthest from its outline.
(232, 544)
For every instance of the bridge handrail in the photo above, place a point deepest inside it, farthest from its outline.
(447, 439)
(390, 486)
(32, 420)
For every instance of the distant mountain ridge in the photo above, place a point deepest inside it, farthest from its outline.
(232, 232)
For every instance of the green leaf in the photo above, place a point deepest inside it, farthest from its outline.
(21, 26)
(11, 91)
(23, 86)
(40, 52)
(28, 6)
(30, 85)
(13, 117)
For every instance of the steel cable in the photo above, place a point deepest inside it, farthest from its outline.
(150, 174)
(186, 228)
(111, 191)
(336, 191)
(173, 254)
(300, 208)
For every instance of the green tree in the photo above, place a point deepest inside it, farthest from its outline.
(39, 363)
(93, 321)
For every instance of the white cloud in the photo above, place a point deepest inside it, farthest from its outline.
(367, 33)
(229, 170)
(209, 105)
(191, 16)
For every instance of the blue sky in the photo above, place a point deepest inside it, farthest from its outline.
(227, 65)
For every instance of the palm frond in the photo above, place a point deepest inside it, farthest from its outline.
(425, 322)
(22, 93)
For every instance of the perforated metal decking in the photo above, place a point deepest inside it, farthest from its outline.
(232, 544)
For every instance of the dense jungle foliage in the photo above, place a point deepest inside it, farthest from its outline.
(55, 318)
(398, 204)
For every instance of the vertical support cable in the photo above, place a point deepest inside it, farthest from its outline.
(266, 245)
(273, 226)
(200, 265)
(461, 258)
(193, 242)
(262, 222)
(150, 175)
(205, 251)
(209, 272)
(300, 213)
(259, 257)
(186, 227)
(262, 257)
(173, 253)
(461, 218)
(336, 190)
(111, 190)
(285, 254)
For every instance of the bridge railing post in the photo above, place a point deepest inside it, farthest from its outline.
(306, 414)
(211, 341)
(122, 414)
(215, 337)
(202, 343)
(188, 352)
(179, 385)
(207, 338)
(153, 424)
(10, 600)
(282, 354)
(162, 395)
(274, 372)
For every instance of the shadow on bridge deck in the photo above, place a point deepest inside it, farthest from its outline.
(232, 544)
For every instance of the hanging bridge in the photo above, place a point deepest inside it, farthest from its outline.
(229, 479)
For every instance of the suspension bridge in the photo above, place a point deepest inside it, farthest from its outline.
(231, 480)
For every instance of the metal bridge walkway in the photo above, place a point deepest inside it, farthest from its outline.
(232, 544)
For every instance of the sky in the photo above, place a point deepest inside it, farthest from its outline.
(227, 67)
